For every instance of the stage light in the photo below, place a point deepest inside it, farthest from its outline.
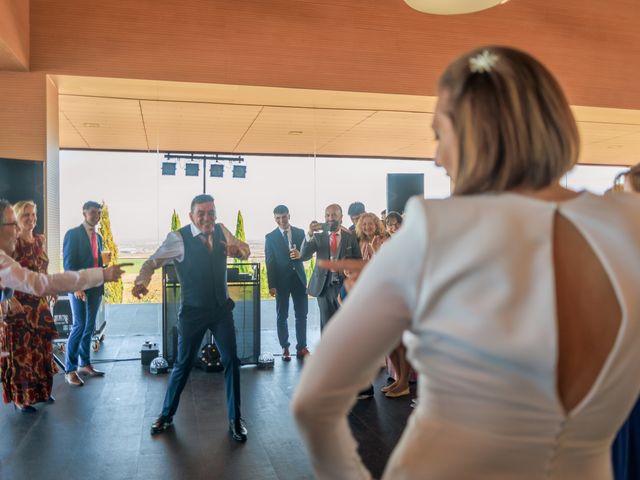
(192, 169)
(216, 170)
(168, 168)
(239, 171)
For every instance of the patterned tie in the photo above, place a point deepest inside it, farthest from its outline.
(285, 233)
(94, 247)
(333, 244)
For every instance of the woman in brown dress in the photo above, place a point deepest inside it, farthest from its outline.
(27, 372)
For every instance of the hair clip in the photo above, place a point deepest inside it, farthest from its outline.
(483, 62)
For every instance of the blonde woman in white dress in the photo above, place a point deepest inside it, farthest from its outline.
(518, 300)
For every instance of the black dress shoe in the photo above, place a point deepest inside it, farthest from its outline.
(25, 408)
(51, 399)
(161, 424)
(238, 430)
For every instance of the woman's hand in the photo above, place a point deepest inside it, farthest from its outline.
(350, 267)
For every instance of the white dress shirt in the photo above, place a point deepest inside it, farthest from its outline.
(173, 249)
(16, 277)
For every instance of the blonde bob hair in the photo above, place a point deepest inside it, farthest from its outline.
(380, 228)
(19, 207)
(513, 123)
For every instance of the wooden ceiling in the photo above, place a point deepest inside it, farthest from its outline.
(141, 115)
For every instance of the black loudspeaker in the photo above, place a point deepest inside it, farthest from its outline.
(23, 180)
(401, 187)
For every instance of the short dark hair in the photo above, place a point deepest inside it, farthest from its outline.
(4, 204)
(202, 198)
(91, 204)
(280, 209)
(394, 215)
(356, 208)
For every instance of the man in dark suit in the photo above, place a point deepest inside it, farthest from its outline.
(199, 252)
(82, 249)
(328, 241)
(286, 278)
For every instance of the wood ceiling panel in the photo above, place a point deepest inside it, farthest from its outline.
(239, 94)
(609, 136)
(105, 123)
(69, 136)
(199, 127)
(382, 134)
(298, 130)
(607, 143)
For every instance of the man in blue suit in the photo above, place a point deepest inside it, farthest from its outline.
(82, 249)
(286, 278)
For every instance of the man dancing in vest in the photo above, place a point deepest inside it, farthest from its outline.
(199, 252)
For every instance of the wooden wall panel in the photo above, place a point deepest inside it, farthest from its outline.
(14, 34)
(354, 45)
(23, 116)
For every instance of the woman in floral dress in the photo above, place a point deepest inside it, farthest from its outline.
(27, 372)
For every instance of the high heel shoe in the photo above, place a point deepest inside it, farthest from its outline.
(401, 393)
(25, 408)
(388, 387)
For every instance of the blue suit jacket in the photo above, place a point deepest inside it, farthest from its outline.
(277, 257)
(76, 252)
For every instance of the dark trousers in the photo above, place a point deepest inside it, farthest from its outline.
(328, 303)
(84, 323)
(294, 288)
(193, 322)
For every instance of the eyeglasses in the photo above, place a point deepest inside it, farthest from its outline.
(12, 224)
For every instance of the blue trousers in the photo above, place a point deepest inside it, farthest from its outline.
(193, 322)
(84, 323)
(298, 291)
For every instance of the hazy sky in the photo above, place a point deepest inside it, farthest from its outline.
(141, 200)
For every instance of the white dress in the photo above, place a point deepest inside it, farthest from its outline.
(471, 281)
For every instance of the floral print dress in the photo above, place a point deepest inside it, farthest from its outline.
(27, 372)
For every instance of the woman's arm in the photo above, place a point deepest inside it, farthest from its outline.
(368, 325)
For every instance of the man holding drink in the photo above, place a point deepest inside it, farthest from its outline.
(82, 248)
(286, 278)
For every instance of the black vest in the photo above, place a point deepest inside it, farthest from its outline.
(203, 274)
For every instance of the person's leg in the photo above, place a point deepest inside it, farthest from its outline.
(79, 314)
(401, 386)
(282, 314)
(394, 360)
(328, 304)
(192, 323)
(301, 309)
(92, 306)
(224, 333)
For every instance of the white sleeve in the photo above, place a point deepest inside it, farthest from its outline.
(368, 326)
(171, 249)
(16, 277)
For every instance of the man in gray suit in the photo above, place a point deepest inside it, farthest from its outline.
(329, 241)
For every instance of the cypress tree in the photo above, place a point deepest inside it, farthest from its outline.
(240, 236)
(175, 221)
(112, 290)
